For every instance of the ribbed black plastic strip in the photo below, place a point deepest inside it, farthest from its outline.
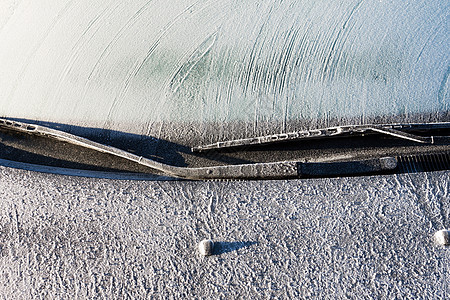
(424, 162)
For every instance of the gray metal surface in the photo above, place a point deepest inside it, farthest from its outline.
(72, 237)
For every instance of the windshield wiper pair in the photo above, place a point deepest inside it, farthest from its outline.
(395, 130)
(269, 170)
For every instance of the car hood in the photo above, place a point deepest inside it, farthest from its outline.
(87, 237)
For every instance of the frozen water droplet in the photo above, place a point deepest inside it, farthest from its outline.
(442, 237)
(206, 247)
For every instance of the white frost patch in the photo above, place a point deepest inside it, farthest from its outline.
(442, 237)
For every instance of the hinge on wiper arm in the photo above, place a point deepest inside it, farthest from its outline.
(390, 129)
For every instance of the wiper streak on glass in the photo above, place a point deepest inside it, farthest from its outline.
(388, 129)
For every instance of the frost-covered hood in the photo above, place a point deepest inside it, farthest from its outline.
(370, 237)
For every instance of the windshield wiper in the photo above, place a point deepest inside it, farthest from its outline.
(395, 130)
(269, 170)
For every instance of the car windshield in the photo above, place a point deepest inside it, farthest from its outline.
(188, 73)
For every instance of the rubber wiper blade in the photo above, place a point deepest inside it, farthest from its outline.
(282, 169)
(270, 170)
(395, 130)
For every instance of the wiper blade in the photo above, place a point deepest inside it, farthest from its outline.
(271, 170)
(396, 130)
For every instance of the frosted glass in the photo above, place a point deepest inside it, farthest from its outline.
(152, 67)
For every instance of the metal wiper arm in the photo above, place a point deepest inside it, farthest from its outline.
(388, 129)
(272, 170)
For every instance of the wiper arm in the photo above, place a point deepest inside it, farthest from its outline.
(396, 130)
(271, 170)
(402, 135)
